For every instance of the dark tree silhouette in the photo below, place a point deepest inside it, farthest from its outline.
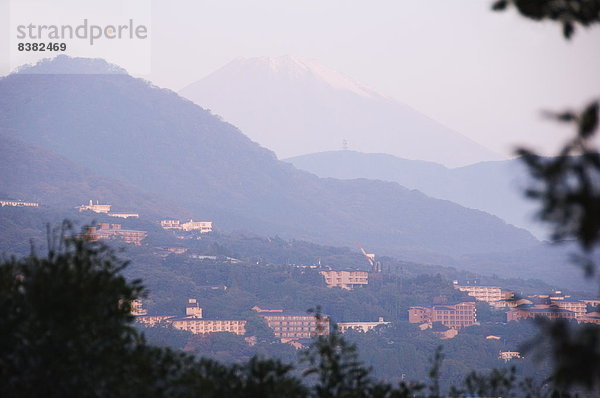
(569, 13)
(568, 189)
(66, 330)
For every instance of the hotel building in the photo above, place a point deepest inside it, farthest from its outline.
(111, 231)
(194, 322)
(97, 208)
(489, 294)
(361, 326)
(345, 279)
(289, 326)
(454, 316)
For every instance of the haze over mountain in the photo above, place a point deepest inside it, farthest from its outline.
(125, 129)
(33, 173)
(495, 187)
(296, 106)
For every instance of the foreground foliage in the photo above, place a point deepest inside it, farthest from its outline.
(66, 330)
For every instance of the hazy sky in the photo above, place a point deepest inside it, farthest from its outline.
(486, 75)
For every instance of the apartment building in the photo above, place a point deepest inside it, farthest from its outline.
(345, 279)
(361, 326)
(18, 203)
(527, 311)
(488, 294)
(576, 306)
(590, 317)
(510, 303)
(454, 316)
(137, 308)
(97, 208)
(194, 322)
(290, 326)
(124, 215)
(201, 226)
(114, 231)
(592, 302)
(509, 355)
(170, 224)
(203, 326)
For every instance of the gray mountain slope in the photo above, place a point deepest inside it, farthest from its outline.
(151, 139)
(33, 173)
(495, 187)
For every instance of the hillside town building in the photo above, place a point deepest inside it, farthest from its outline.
(576, 306)
(137, 308)
(508, 355)
(201, 226)
(440, 330)
(170, 224)
(125, 215)
(489, 294)
(96, 208)
(194, 322)
(361, 326)
(527, 311)
(510, 303)
(592, 302)
(555, 305)
(18, 203)
(454, 316)
(290, 326)
(590, 317)
(105, 209)
(114, 231)
(345, 279)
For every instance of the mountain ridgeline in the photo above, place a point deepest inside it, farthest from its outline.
(152, 141)
(496, 187)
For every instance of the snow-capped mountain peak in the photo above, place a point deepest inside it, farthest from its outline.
(299, 67)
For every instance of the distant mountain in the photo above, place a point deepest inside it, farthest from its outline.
(125, 129)
(296, 106)
(495, 187)
(32, 173)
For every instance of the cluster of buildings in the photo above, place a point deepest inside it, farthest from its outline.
(492, 295)
(444, 319)
(18, 203)
(293, 326)
(114, 231)
(201, 226)
(106, 231)
(193, 321)
(554, 306)
(345, 279)
(105, 209)
(288, 326)
(361, 326)
(551, 306)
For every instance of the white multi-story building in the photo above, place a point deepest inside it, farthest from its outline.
(489, 294)
(18, 203)
(361, 326)
(97, 208)
(200, 226)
